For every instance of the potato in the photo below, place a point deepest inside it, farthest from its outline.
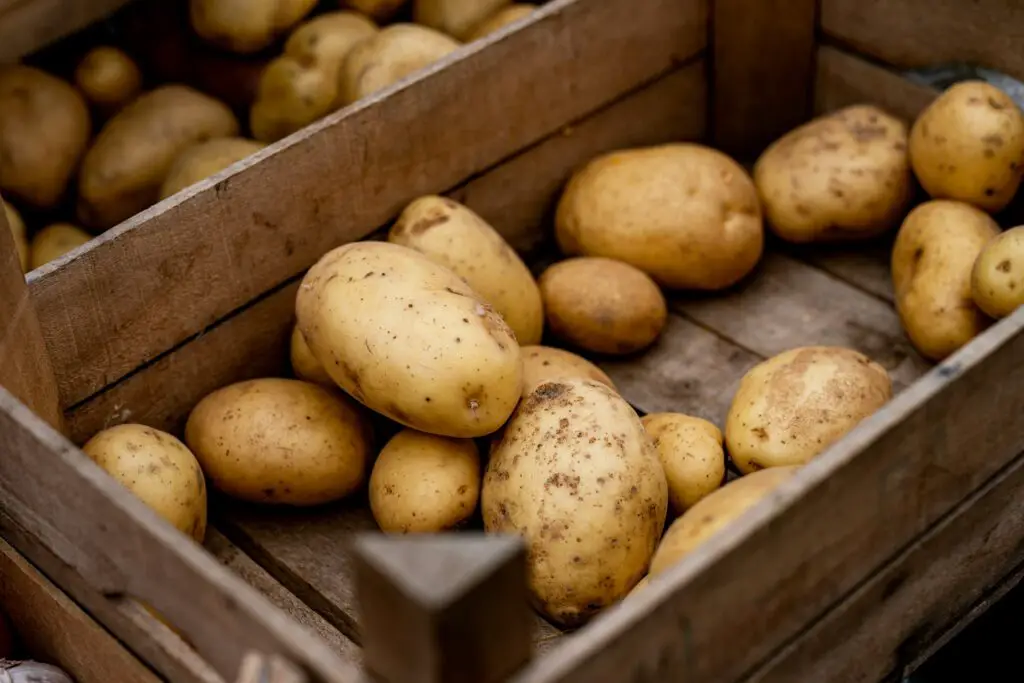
(302, 85)
(108, 78)
(17, 227)
(245, 26)
(422, 483)
(410, 339)
(44, 129)
(500, 19)
(122, 171)
(997, 279)
(602, 305)
(844, 176)
(158, 469)
(968, 145)
(305, 366)
(690, 451)
(576, 475)
(932, 261)
(711, 514)
(548, 364)
(457, 18)
(456, 237)
(378, 10)
(204, 159)
(54, 241)
(394, 53)
(792, 406)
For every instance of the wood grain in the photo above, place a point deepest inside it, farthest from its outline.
(27, 25)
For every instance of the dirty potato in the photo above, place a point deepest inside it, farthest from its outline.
(108, 78)
(997, 279)
(305, 366)
(547, 364)
(457, 18)
(794, 405)
(690, 450)
(203, 159)
(17, 227)
(245, 26)
(575, 473)
(500, 19)
(54, 241)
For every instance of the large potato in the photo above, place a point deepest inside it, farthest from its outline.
(968, 145)
(44, 129)
(305, 366)
(54, 241)
(245, 26)
(792, 406)
(158, 469)
(422, 483)
(455, 17)
(500, 19)
(280, 441)
(547, 364)
(108, 78)
(410, 339)
(17, 227)
(394, 53)
(997, 279)
(456, 237)
(602, 305)
(122, 171)
(576, 475)
(690, 450)
(932, 262)
(714, 512)
(844, 176)
(685, 214)
(203, 159)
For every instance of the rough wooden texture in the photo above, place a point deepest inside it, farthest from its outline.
(27, 25)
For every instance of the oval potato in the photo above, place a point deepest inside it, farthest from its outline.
(547, 364)
(457, 18)
(108, 78)
(54, 241)
(457, 238)
(203, 159)
(691, 453)
(932, 261)
(245, 26)
(576, 475)
(997, 279)
(792, 406)
(500, 19)
(410, 339)
(305, 366)
(17, 227)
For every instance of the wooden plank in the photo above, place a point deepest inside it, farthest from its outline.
(27, 25)
(345, 176)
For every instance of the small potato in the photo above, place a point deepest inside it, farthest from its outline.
(844, 176)
(245, 26)
(280, 441)
(108, 78)
(685, 214)
(394, 53)
(158, 469)
(602, 305)
(997, 280)
(794, 405)
(17, 227)
(54, 241)
(304, 365)
(500, 19)
(423, 483)
(711, 514)
(457, 238)
(547, 364)
(455, 17)
(378, 10)
(932, 261)
(690, 450)
(203, 159)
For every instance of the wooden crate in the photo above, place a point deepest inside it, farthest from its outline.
(854, 570)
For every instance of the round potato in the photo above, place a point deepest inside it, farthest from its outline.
(602, 305)
(280, 441)
(968, 145)
(547, 364)
(410, 339)
(378, 10)
(17, 227)
(456, 237)
(500, 19)
(108, 78)
(844, 176)
(54, 241)
(304, 365)
(44, 129)
(690, 450)
(997, 279)
(576, 475)
(158, 469)
(422, 483)
(932, 261)
(714, 512)
(389, 56)
(123, 170)
(203, 159)
(455, 17)
(794, 405)
(245, 26)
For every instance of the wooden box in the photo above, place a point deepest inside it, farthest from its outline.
(872, 555)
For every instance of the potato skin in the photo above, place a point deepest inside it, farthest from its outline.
(410, 339)
(685, 214)
(305, 366)
(457, 18)
(203, 159)
(602, 305)
(280, 441)
(54, 241)
(44, 129)
(576, 475)
(456, 237)
(129, 159)
(17, 227)
(691, 453)
(159, 469)
(500, 19)
(547, 364)
(422, 483)
(844, 176)
(245, 26)
(997, 279)
(108, 78)
(932, 261)
(792, 406)
(968, 145)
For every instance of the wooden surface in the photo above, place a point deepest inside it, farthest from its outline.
(27, 25)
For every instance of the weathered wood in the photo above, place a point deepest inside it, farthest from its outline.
(27, 25)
